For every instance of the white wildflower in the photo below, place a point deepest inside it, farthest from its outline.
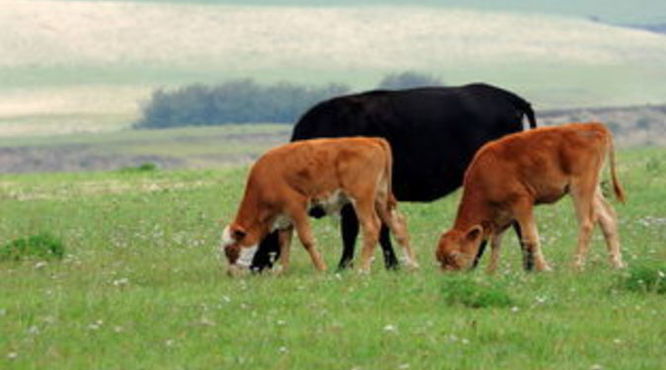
(121, 282)
(96, 325)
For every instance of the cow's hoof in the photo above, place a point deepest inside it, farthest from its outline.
(619, 264)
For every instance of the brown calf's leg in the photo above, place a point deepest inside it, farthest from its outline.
(304, 231)
(398, 225)
(583, 198)
(370, 224)
(607, 219)
(284, 237)
(525, 218)
(495, 245)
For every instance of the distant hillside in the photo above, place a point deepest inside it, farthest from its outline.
(645, 11)
(78, 63)
(658, 28)
(632, 126)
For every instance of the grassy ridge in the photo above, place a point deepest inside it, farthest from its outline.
(198, 147)
(648, 11)
(141, 287)
(74, 57)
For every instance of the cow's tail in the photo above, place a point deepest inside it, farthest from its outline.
(523, 106)
(617, 187)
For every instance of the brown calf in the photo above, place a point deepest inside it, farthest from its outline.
(507, 177)
(285, 182)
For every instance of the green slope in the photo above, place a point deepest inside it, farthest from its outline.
(86, 59)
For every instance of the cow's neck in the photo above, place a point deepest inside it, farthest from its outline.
(251, 218)
(473, 211)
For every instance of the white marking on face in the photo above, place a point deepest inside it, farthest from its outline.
(226, 238)
(246, 256)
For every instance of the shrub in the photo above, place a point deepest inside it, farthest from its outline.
(406, 80)
(645, 277)
(237, 101)
(43, 245)
(470, 293)
(143, 167)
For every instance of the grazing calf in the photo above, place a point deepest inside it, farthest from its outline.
(328, 173)
(507, 177)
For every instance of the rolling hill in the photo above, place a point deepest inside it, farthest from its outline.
(87, 65)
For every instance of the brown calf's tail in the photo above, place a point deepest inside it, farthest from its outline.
(617, 187)
(389, 173)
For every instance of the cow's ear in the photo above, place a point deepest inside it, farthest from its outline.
(238, 233)
(474, 234)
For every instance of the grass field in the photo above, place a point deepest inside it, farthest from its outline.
(141, 286)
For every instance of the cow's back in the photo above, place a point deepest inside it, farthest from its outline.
(433, 131)
(543, 160)
(318, 166)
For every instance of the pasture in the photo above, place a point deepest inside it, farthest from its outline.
(141, 286)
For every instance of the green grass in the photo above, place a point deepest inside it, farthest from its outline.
(141, 286)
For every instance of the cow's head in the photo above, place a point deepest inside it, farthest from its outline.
(236, 249)
(456, 249)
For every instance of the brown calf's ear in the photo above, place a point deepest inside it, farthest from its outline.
(238, 233)
(474, 234)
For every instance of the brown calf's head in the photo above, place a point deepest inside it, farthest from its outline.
(456, 249)
(238, 254)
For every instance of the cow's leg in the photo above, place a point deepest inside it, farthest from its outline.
(350, 229)
(528, 263)
(582, 192)
(285, 246)
(304, 231)
(390, 260)
(482, 247)
(396, 222)
(267, 253)
(530, 237)
(349, 233)
(479, 253)
(495, 245)
(370, 223)
(607, 219)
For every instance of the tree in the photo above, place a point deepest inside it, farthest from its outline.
(405, 80)
(237, 101)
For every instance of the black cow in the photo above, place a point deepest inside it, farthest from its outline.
(433, 131)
